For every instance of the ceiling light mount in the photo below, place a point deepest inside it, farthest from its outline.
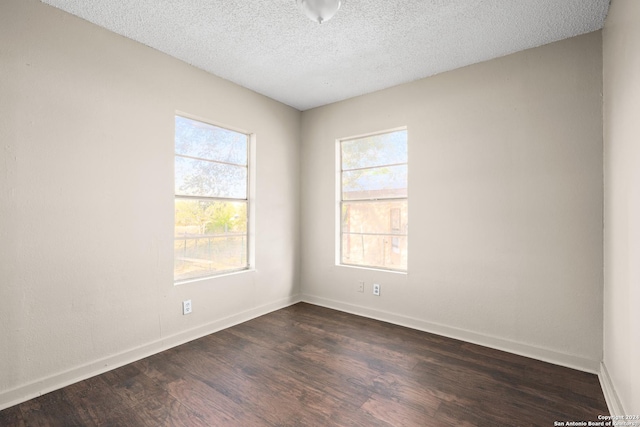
(319, 10)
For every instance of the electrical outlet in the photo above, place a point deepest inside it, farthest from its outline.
(360, 287)
(186, 307)
(376, 289)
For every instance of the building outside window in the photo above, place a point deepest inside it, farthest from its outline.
(373, 201)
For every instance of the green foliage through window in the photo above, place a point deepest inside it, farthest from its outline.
(211, 200)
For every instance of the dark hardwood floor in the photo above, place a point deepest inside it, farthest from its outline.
(310, 366)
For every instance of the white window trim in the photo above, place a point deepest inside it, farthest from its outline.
(338, 202)
(251, 199)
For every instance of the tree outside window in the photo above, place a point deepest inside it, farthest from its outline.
(374, 200)
(211, 200)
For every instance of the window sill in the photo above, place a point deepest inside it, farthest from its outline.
(217, 276)
(382, 270)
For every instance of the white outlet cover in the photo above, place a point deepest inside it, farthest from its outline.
(186, 307)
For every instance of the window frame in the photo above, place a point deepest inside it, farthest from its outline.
(340, 201)
(249, 200)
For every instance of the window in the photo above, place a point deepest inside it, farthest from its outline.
(373, 201)
(211, 200)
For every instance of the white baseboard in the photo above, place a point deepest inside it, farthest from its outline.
(545, 355)
(610, 395)
(45, 385)
(37, 388)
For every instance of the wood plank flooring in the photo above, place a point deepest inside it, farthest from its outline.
(310, 366)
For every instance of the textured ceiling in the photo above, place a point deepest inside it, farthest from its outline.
(272, 48)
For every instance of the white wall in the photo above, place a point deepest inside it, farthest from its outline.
(622, 206)
(505, 203)
(86, 201)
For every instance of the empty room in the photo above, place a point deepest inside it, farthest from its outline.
(205, 208)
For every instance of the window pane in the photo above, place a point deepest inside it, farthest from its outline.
(375, 183)
(384, 251)
(383, 217)
(201, 257)
(373, 208)
(198, 139)
(210, 237)
(375, 150)
(203, 178)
